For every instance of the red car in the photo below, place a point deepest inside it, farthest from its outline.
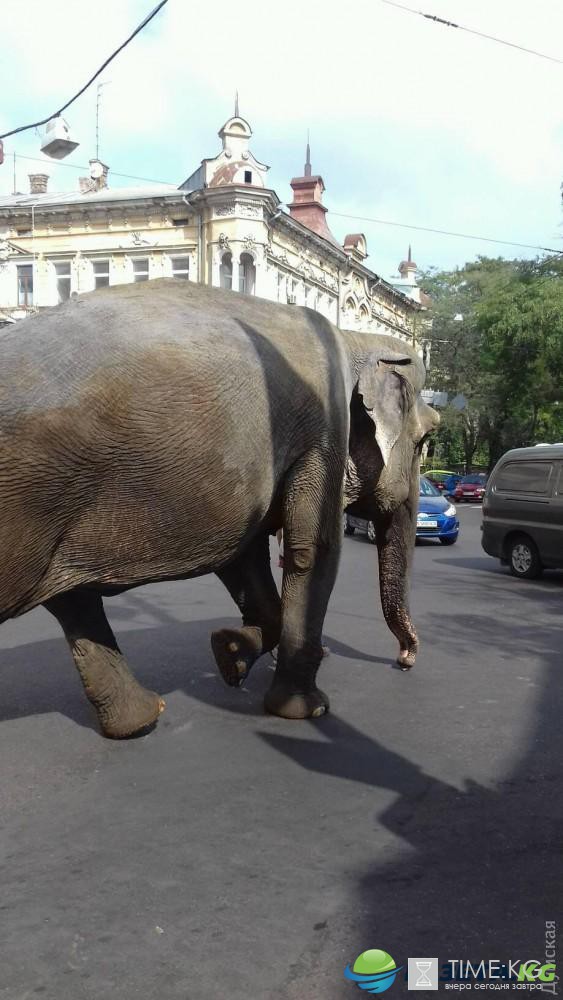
(471, 487)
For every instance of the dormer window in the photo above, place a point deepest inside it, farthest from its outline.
(248, 176)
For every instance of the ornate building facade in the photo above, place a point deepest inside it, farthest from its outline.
(223, 226)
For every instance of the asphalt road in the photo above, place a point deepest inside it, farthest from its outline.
(233, 855)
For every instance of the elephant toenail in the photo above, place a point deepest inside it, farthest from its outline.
(241, 667)
(233, 647)
(320, 710)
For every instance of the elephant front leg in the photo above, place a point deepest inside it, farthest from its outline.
(250, 583)
(312, 540)
(122, 705)
(395, 542)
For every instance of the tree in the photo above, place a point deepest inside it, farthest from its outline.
(497, 345)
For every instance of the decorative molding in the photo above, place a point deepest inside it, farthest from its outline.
(222, 210)
(224, 242)
(249, 211)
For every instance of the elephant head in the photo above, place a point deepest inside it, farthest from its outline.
(389, 422)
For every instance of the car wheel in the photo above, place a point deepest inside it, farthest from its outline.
(448, 541)
(372, 537)
(524, 558)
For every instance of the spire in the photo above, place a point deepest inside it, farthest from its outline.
(236, 105)
(407, 268)
(307, 170)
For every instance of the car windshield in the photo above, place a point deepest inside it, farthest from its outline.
(474, 480)
(427, 489)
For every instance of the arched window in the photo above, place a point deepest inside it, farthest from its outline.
(364, 316)
(246, 274)
(226, 271)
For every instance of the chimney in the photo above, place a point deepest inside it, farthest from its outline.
(38, 183)
(307, 205)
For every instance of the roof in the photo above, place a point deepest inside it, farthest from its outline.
(352, 239)
(539, 451)
(53, 199)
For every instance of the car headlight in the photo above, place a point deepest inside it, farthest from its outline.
(449, 511)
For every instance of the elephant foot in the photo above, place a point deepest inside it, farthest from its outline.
(235, 650)
(284, 701)
(134, 711)
(407, 656)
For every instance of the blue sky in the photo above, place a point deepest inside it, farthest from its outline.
(410, 121)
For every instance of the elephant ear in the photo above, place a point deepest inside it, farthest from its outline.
(385, 395)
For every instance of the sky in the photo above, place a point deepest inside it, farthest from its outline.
(410, 122)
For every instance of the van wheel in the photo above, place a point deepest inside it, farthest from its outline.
(372, 537)
(524, 558)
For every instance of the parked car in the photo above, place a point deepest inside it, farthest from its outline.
(436, 517)
(471, 487)
(442, 479)
(445, 481)
(523, 510)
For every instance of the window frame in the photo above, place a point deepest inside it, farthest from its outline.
(28, 293)
(528, 464)
(66, 279)
(101, 274)
(139, 275)
(183, 273)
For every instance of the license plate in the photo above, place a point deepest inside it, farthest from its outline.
(426, 524)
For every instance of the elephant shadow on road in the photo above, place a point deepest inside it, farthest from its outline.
(480, 871)
(166, 656)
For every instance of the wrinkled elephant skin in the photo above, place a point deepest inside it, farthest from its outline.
(164, 430)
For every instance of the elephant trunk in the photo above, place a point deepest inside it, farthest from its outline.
(396, 533)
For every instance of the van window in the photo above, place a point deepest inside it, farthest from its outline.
(524, 477)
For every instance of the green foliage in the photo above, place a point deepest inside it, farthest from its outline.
(497, 341)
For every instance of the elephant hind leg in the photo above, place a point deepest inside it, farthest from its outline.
(250, 583)
(122, 705)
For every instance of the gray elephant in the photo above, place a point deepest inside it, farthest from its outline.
(134, 418)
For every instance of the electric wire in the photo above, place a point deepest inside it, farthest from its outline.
(345, 215)
(472, 31)
(447, 232)
(24, 128)
(81, 166)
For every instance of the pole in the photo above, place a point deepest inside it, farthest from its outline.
(15, 186)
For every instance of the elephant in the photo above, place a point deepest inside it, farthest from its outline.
(164, 430)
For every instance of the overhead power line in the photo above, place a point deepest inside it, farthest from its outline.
(81, 166)
(55, 114)
(447, 232)
(472, 31)
(341, 215)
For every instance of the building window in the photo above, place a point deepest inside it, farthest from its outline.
(248, 176)
(307, 295)
(246, 274)
(282, 293)
(140, 269)
(180, 267)
(226, 271)
(25, 285)
(63, 281)
(101, 273)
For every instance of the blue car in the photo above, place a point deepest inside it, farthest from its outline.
(436, 517)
